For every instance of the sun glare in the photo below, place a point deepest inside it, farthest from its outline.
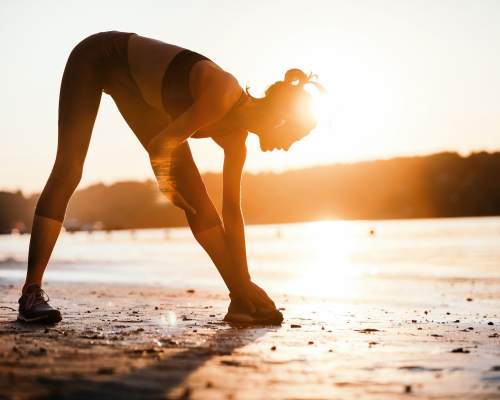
(329, 271)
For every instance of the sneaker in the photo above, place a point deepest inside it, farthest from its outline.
(237, 313)
(33, 307)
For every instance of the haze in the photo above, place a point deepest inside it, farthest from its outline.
(405, 77)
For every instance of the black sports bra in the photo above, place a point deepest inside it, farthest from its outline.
(175, 94)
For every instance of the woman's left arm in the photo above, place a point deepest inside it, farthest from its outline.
(235, 152)
(234, 159)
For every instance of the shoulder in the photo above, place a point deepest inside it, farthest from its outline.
(208, 78)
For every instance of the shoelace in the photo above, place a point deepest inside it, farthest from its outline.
(35, 298)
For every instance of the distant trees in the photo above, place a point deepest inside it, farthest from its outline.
(439, 185)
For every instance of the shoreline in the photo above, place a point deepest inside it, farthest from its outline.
(143, 342)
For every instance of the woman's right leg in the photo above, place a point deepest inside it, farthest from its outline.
(80, 96)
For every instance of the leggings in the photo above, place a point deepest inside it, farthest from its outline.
(100, 63)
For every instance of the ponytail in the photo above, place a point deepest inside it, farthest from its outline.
(289, 94)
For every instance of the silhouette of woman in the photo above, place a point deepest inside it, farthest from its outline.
(167, 94)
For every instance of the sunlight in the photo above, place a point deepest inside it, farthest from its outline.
(329, 272)
(322, 105)
(356, 119)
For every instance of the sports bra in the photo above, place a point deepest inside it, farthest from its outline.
(175, 94)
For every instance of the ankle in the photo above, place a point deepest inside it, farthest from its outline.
(26, 285)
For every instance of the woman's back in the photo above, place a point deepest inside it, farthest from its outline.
(148, 60)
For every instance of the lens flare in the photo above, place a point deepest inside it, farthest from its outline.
(168, 320)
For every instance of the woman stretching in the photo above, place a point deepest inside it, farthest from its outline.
(168, 94)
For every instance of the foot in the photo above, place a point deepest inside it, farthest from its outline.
(237, 313)
(34, 307)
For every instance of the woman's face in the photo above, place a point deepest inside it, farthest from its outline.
(275, 133)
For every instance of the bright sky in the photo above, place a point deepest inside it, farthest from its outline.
(405, 77)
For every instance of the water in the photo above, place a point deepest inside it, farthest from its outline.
(336, 259)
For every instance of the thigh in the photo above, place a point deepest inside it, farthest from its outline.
(79, 100)
(145, 121)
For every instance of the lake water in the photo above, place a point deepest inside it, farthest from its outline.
(342, 259)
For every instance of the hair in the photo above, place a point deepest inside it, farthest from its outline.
(291, 97)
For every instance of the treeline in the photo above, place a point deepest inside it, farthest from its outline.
(439, 185)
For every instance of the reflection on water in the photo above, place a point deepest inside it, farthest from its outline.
(328, 269)
(334, 258)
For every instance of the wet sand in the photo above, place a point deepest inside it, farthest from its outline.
(143, 342)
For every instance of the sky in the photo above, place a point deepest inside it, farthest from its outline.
(404, 77)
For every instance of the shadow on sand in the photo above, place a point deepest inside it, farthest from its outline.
(160, 379)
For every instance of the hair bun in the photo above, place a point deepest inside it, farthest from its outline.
(295, 74)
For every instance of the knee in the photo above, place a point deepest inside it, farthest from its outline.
(67, 173)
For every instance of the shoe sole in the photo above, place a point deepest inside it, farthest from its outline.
(275, 319)
(48, 319)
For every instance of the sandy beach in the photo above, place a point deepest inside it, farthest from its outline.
(143, 342)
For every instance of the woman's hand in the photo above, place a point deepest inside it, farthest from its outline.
(160, 156)
(252, 295)
(177, 200)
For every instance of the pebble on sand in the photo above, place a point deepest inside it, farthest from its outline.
(106, 371)
(460, 350)
(295, 326)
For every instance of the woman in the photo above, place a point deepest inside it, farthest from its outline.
(167, 94)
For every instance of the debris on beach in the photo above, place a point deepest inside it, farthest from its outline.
(230, 363)
(89, 349)
(460, 350)
(106, 371)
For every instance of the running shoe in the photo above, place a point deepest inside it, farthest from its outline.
(237, 313)
(34, 307)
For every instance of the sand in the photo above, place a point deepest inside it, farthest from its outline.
(122, 342)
